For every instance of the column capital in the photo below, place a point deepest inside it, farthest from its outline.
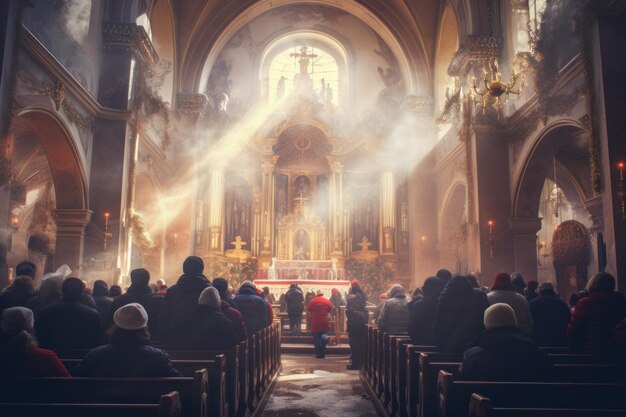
(335, 165)
(268, 164)
(525, 226)
(72, 221)
(129, 37)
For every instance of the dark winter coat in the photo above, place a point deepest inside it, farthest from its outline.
(394, 316)
(356, 314)
(319, 307)
(69, 325)
(178, 306)
(236, 320)
(103, 304)
(128, 355)
(421, 320)
(150, 302)
(459, 315)
(550, 318)
(504, 354)
(593, 322)
(17, 295)
(209, 329)
(252, 308)
(295, 301)
(357, 290)
(40, 302)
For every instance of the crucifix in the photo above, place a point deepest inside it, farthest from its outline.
(304, 59)
(301, 200)
(238, 243)
(365, 244)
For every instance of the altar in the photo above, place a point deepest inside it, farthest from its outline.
(301, 270)
(280, 286)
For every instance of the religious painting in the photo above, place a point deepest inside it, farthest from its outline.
(302, 245)
(322, 199)
(281, 186)
(364, 217)
(238, 209)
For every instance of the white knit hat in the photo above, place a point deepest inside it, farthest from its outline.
(210, 297)
(131, 317)
(16, 319)
(500, 315)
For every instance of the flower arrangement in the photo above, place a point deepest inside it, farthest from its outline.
(235, 272)
(374, 276)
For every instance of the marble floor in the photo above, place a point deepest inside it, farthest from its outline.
(310, 387)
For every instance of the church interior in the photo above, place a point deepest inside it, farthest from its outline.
(317, 142)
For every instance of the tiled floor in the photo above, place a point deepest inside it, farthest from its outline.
(310, 387)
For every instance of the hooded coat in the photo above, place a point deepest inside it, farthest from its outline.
(394, 315)
(128, 355)
(252, 308)
(319, 307)
(422, 314)
(49, 293)
(178, 305)
(550, 318)
(459, 315)
(518, 303)
(18, 294)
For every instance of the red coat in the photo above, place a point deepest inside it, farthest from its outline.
(319, 307)
(41, 363)
(593, 321)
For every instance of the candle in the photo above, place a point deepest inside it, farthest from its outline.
(620, 166)
(490, 224)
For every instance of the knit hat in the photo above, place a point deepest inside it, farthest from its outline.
(432, 286)
(396, 290)
(383, 296)
(193, 265)
(131, 317)
(502, 282)
(16, 319)
(500, 315)
(210, 297)
(532, 285)
(355, 283)
(222, 286)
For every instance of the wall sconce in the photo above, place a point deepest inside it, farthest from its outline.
(490, 223)
(620, 189)
(15, 222)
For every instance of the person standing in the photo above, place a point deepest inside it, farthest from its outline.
(295, 307)
(356, 315)
(252, 307)
(319, 308)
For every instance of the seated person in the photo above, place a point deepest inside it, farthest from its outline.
(503, 352)
(128, 354)
(209, 328)
(19, 354)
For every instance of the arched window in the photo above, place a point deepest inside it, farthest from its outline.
(304, 67)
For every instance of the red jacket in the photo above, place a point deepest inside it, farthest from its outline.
(319, 307)
(593, 321)
(41, 363)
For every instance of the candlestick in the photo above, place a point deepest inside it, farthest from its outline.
(490, 223)
(620, 189)
(107, 231)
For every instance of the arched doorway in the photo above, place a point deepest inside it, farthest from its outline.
(453, 248)
(571, 251)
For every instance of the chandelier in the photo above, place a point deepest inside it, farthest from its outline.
(495, 87)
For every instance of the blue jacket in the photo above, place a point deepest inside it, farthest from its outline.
(252, 308)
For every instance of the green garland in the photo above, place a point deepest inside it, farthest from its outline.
(374, 277)
(217, 265)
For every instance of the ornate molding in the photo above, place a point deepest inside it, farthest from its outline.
(419, 106)
(192, 104)
(129, 37)
(58, 93)
(477, 49)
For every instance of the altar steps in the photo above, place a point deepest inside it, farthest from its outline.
(303, 344)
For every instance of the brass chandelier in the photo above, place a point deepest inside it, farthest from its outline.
(495, 87)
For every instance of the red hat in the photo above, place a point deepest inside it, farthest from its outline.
(383, 296)
(354, 283)
(502, 282)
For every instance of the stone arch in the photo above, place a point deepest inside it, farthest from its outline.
(452, 229)
(447, 45)
(565, 140)
(163, 36)
(67, 172)
(146, 202)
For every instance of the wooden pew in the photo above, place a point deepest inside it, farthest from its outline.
(412, 376)
(391, 380)
(193, 391)
(482, 407)
(168, 406)
(401, 373)
(454, 396)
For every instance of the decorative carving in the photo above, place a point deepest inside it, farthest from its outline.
(192, 104)
(129, 37)
(59, 95)
(477, 49)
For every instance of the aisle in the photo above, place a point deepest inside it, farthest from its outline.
(309, 387)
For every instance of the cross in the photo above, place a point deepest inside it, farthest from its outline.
(365, 243)
(238, 243)
(301, 199)
(304, 59)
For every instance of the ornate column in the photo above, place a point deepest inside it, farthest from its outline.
(71, 224)
(337, 229)
(267, 206)
(387, 213)
(191, 108)
(216, 208)
(524, 237)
